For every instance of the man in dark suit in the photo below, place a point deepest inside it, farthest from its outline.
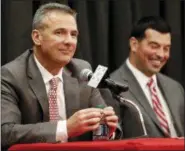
(162, 100)
(42, 98)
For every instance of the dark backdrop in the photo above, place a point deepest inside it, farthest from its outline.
(104, 27)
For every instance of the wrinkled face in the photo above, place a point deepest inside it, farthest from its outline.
(151, 53)
(57, 41)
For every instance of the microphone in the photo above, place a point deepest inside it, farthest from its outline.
(97, 79)
(88, 75)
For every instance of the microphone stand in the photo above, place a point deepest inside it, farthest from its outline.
(116, 88)
(126, 101)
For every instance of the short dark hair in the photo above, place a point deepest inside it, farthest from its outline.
(149, 22)
(48, 7)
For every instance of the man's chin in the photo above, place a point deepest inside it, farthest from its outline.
(65, 61)
(155, 70)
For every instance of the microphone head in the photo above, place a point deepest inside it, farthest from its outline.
(85, 75)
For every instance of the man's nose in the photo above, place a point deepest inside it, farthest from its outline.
(68, 39)
(160, 53)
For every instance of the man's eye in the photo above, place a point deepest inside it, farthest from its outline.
(154, 46)
(74, 35)
(166, 49)
(58, 32)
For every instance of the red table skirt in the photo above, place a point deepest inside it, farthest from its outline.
(132, 144)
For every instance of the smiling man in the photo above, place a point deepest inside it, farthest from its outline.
(160, 98)
(150, 54)
(42, 99)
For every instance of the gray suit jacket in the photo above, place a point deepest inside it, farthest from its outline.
(24, 106)
(171, 90)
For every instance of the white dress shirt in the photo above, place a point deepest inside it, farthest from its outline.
(143, 80)
(61, 131)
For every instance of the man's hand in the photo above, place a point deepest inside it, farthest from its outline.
(83, 121)
(111, 119)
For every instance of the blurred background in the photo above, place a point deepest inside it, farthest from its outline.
(104, 27)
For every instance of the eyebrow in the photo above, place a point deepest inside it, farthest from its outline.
(154, 42)
(75, 31)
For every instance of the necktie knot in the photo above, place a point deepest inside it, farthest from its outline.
(151, 85)
(150, 82)
(54, 83)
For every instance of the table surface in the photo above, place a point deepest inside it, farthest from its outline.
(130, 144)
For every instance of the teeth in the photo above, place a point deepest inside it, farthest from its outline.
(156, 62)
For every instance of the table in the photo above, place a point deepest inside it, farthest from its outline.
(131, 144)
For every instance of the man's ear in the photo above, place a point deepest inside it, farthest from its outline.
(133, 44)
(36, 37)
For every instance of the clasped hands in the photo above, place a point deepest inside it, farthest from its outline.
(89, 119)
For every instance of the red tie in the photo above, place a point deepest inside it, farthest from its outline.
(157, 107)
(53, 107)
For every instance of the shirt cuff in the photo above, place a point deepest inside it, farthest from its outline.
(61, 132)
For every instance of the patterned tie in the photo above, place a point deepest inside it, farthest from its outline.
(52, 94)
(157, 107)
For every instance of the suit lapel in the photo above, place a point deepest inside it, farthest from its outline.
(137, 92)
(165, 89)
(139, 95)
(37, 85)
(71, 91)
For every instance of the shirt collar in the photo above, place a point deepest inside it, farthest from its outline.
(141, 77)
(46, 75)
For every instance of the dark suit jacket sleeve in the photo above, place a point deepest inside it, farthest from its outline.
(181, 110)
(12, 131)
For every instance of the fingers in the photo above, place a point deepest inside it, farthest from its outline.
(112, 124)
(92, 121)
(110, 114)
(111, 121)
(91, 110)
(89, 115)
(108, 108)
(89, 120)
(110, 118)
(108, 111)
(83, 121)
(86, 114)
(92, 127)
